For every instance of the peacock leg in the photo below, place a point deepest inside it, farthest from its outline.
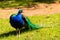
(18, 33)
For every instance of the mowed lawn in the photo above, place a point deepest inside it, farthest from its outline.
(50, 29)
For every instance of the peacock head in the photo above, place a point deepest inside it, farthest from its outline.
(20, 11)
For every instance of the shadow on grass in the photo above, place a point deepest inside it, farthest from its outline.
(14, 33)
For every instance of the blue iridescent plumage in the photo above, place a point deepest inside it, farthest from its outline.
(17, 20)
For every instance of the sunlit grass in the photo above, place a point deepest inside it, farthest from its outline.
(50, 29)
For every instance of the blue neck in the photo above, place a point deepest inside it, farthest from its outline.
(18, 13)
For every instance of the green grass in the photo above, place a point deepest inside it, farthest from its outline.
(15, 4)
(50, 29)
(25, 3)
(9, 4)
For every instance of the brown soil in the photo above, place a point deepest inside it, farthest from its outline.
(40, 9)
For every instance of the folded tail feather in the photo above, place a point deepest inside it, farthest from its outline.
(31, 25)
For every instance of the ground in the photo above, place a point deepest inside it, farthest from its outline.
(49, 24)
(49, 29)
(40, 9)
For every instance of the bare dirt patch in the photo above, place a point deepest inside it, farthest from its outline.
(41, 9)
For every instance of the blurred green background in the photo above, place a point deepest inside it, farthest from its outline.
(26, 3)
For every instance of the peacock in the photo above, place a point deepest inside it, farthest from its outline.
(18, 21)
